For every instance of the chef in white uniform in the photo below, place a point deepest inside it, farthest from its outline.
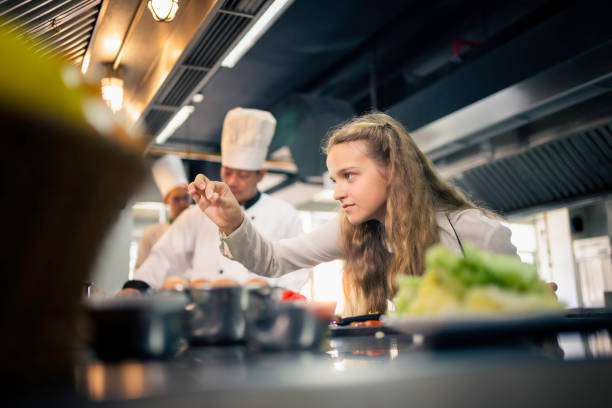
(190, 247)
(169, 175)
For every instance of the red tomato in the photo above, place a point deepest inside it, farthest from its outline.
(289, 295)
(366, 323)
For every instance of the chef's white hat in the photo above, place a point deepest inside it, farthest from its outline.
(246, 136)
(168, 173)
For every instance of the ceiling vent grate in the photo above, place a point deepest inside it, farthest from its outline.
(155, 119)
(180, 90)
(59, 28)
(560, 170)
(216, 40)
(243, 6)
(224, 26)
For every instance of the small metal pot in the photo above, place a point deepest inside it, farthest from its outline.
(140, 327)
(262, 301)
(286, 326)
(608, 299)
(216, 315)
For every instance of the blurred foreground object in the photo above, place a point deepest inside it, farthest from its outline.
(67, 171)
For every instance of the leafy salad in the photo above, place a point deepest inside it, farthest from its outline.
(476, 283)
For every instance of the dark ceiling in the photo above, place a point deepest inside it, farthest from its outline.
(340, 48)
(479, 84)
(422, 62)
(309, 38)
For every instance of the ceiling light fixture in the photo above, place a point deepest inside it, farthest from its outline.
(176, 122)
(163, 10)
(197, 98)
(256, 31)
(112, 87)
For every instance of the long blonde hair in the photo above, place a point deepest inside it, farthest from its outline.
(375, 253)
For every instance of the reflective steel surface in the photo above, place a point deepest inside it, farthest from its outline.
(351, 371)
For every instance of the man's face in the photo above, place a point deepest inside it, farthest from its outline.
(243, 183)
(178, 200)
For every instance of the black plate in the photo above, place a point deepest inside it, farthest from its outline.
(345, 321)
(342, 327)
(342, 331)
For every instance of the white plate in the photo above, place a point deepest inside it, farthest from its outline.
(468, 331)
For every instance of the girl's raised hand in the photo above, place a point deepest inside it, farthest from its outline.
(216, 200)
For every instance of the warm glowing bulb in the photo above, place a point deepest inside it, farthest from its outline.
(111, 45)
(112, 93)
(163, 10)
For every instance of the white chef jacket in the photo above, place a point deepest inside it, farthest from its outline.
(150, 236)
(190, 247)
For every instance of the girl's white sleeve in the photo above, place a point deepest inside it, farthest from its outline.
(274, 259)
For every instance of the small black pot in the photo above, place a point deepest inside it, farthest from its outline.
(138, 327)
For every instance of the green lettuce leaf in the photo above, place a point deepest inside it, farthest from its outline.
(477, 268)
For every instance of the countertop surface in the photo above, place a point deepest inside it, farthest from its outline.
(350, 371)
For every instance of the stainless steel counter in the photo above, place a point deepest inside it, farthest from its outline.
(349, 372)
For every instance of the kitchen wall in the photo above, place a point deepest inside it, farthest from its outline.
(111, 268)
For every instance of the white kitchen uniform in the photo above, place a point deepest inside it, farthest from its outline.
(149, 238)
(192, 244)
(168, 173)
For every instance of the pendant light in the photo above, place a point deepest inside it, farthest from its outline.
(163, 10)
(112, 87)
